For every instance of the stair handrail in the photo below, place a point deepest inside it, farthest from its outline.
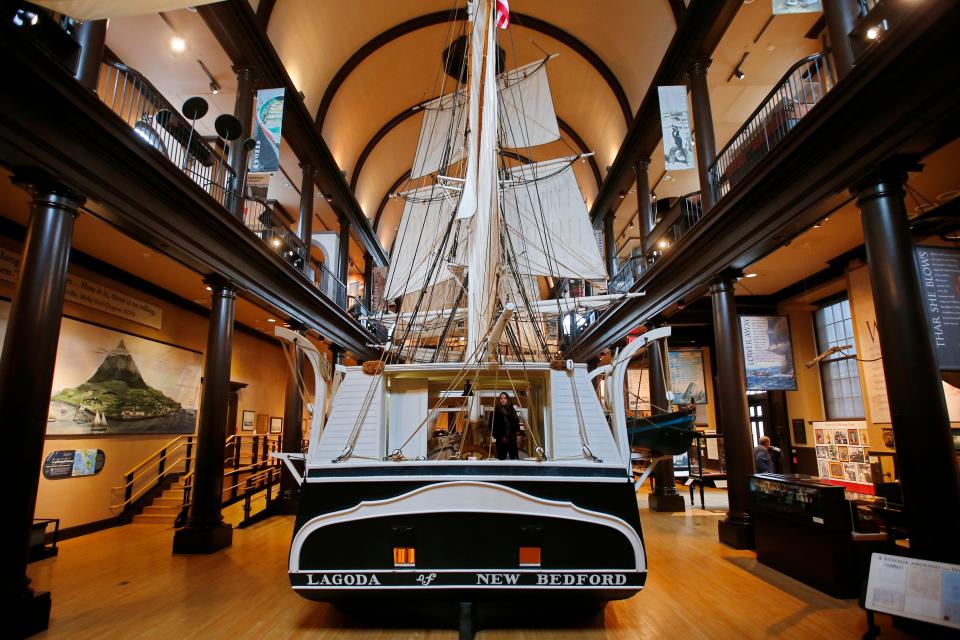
(137, 470)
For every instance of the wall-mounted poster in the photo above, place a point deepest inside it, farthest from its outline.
(768, 353)
(111, 383)
(686, 376)
(276, 425)
(844, 461)
(795, 6)
(675, 124)
(249, 421)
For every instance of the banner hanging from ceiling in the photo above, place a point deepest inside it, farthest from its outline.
(939, 269)
(795, 6)
(267, 130)
(768, 353)
(675, 123)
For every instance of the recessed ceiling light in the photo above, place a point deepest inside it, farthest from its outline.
(178, 44)
(750, 275)
(271, 320)
(276, 242)
(208, 288)
(873, 33)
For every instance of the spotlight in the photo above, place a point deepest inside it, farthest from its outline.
(631, 224)
(178, 44)
(214, 87)
(873, 33)
(276, 242)
(663, 244)
(740, 75)
(270, 320)
(750, 275)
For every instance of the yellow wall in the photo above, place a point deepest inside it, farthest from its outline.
(256, 362)
(807, 401)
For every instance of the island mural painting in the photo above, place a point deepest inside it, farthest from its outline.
(110, 383)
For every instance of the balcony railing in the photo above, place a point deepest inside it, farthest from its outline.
(141, 105)
(153, 118)
(623, 280)
(803, 86)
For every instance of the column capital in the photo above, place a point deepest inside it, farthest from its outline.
(307, 168)
(699, 66)
(641, 164)
(886, 180)
(246, 71)
(47, 190)
(724, 281)
(221, 286)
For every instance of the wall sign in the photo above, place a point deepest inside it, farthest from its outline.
(768, 353)
(73, 463)
(92, 294)
(939, 270)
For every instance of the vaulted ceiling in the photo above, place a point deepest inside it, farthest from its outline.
(363, 64)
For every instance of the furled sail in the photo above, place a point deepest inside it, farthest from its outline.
(548, 224)
(483, 259)
(527, 117)
(442, 134)
(422, 236)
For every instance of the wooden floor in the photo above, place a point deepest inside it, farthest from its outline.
(124, 583)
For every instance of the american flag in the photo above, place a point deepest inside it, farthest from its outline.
(503, 13)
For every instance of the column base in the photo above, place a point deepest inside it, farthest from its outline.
(32, 613)
(667, 503)
(738, 535)
(286, 505)
(201, 541)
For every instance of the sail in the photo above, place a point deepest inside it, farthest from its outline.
(484, 248)
(526, 107)
(468, 200)
(442, 134)
(420, 238)
(548, 224)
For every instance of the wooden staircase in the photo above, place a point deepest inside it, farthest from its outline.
(163, 509)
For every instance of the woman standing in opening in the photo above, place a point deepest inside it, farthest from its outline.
(505, 428)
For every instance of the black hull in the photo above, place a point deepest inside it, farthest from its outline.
(467, 535)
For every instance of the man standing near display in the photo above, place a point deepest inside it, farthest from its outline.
(761, 456)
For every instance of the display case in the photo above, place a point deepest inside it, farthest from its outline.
(806, 529)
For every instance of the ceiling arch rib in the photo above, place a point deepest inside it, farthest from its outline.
(440, 17)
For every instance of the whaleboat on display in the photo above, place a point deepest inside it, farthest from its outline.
(400, 493)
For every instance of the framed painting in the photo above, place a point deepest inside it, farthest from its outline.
(276, 425)
(249, 421)
(112, 383)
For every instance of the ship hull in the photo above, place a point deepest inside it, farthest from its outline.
(467, 534)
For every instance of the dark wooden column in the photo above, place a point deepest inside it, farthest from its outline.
(921, 425)
(26, 378)
(665, 496)
(703, 126)
(736, 529)
(343, 257)
(243, 110)
(840, 16)
(205, 531)
(367, 280)
(609, 245)
(644, 206)
(305, 220)
(292, 433)
(91, 36)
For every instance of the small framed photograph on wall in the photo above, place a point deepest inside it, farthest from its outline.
(276, 425)
(249, 421)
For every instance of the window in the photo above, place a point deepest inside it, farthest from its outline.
(842, 396)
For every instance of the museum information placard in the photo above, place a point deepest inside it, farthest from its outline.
(912, 588)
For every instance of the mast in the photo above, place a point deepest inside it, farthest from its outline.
(484, 244)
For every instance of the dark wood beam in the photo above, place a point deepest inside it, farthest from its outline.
(806, 175)
(51, 123)
(235, 26)
(704, 23)
(440, 17)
